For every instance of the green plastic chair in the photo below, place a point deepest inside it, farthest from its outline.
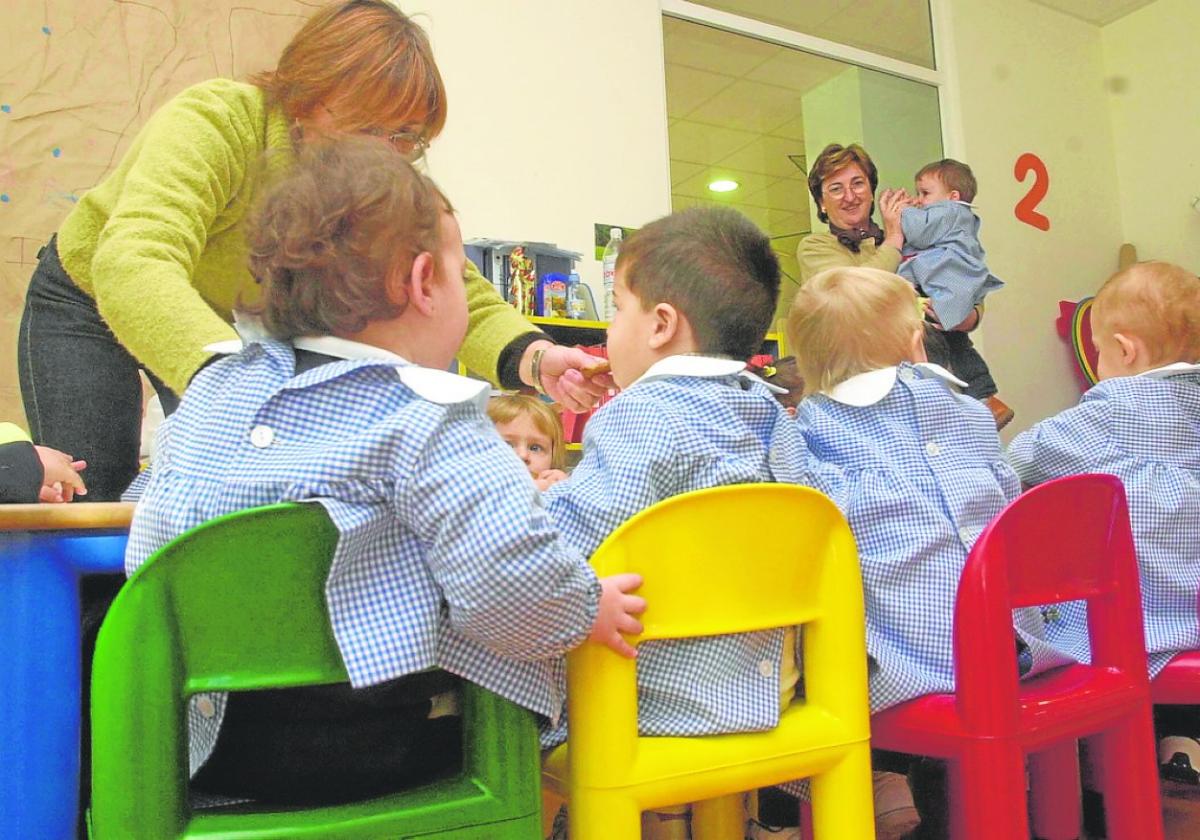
(239, 603)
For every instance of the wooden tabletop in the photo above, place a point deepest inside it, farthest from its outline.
(75, 516)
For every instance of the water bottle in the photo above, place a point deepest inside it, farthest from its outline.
(610, 269)
(575, 303)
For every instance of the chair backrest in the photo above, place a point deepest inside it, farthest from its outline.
(725, 560)
(1068, 539)
(237, 603)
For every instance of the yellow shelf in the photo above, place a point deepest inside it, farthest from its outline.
(567, 322)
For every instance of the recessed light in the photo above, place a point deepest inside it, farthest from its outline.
(723, 185)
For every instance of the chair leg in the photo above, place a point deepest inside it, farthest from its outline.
(1128, 769)
(987, 793)
(722, 818)
(841, 798)
(1054, 792)
(601, 815)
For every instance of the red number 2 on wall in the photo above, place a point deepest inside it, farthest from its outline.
(1026, 209)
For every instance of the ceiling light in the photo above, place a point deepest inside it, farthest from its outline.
(723, 185)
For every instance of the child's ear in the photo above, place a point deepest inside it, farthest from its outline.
(415, 286)
(1131, 347)
(916, 349)
(955, 195)
(666, 325)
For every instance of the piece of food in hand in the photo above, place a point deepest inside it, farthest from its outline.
(596, 368)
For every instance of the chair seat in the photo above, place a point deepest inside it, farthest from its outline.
(1059, 704)
(1179, 682)
(666, 767)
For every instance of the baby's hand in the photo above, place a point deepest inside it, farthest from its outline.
(548, 477)
(60, 475)
(616, 612)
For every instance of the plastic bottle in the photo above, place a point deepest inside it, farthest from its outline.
(575, 303)
(610, 269)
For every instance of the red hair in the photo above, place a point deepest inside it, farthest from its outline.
(365, 60)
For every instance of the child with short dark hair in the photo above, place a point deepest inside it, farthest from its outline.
(1141, 423)
(445, 560)
(695, 294)
(943, 259)
(534, 431)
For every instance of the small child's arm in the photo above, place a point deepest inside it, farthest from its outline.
(925, 227)
(508, 581)
(1069, 443)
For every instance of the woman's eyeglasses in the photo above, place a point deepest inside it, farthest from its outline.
(836, 191)
(407, 142)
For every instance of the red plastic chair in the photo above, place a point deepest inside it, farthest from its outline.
(1065, 540)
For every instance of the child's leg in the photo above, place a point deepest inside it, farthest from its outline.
(969, 366)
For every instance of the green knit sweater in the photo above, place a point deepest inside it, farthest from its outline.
(159, 242)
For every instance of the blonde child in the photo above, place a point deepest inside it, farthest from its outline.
(943, 259)
(915, 466)
(695, 293)
(444, 561)
(1141, 422)
(534, 431)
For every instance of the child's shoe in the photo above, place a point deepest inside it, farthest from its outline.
(667, 824)
(1179, 759)
(1001, 413)
(895, 813)
(762, 831)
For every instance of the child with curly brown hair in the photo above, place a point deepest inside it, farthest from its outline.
(446, 563)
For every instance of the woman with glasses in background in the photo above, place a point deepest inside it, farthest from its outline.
(145, 271)
(842, 181)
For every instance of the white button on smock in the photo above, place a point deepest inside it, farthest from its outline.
(262, 436)
(204, 705)
(932, 448)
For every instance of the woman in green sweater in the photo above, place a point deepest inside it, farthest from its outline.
(146, 270)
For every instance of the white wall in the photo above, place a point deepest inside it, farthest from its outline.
(1031, 81)
(557, 117)
(1154, 102)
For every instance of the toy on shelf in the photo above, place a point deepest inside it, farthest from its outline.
(522, 282)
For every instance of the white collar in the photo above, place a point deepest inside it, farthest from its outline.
(1173, 369)
(705, 367)
(869, 388)
(436, 386)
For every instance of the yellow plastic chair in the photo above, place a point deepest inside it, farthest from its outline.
(726, 560)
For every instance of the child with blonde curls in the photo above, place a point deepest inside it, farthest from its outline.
(534, 431)
(915, 466)
(445, 565)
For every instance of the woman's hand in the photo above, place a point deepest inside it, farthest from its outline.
(891, 205)
(562, 375)
(60, 475)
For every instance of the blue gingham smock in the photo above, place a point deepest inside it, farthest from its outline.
(917, 469)
(689, 423)
(1145, 430)
(943, 258)
(446, 557)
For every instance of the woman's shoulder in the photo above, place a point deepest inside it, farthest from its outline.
(219, 101)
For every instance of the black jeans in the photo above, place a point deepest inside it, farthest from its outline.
(80, 387)
(955, 352)
(324, 745)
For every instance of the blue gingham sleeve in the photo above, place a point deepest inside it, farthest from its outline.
(925, 227)
(1070, 443)
(631, 460)
(509, 582)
